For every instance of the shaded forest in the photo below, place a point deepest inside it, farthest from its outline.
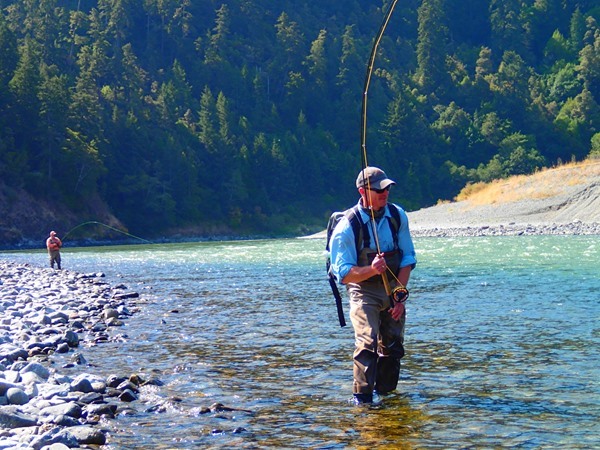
(245, 114)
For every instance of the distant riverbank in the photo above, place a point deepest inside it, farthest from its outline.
(559, 201)
(562, 200)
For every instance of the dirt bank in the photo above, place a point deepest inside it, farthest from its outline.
(567, 195)
(25, 221)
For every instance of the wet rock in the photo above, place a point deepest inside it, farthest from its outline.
(110, 313)
(71, 338)
(12, 417)
(127, 385)
(56, 435)
(70, 409)
(36, 368)
(62, 348)
(82, 384)
(92, 397)
(101, 409)
(87, 435)
(126, 295)
(78, 359)
(127, 396)
(64, 421)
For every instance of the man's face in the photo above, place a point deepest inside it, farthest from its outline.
(376, 198)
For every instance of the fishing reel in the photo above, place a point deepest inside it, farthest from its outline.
(400, 294)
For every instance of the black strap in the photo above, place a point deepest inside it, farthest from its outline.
(394, 228)
(353, 215)
(338, 300)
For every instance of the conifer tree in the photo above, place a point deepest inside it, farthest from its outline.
(54, 104)
(431, 48)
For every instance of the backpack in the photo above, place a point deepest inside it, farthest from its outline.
(361, 235)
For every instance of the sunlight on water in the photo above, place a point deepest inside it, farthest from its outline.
(502, 342)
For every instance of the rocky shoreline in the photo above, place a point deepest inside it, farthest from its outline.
(44, 314)
(511, 229)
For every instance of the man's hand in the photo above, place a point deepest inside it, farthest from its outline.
(397, 311)
(379, 264)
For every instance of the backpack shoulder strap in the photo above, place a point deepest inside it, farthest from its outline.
(333, 221)
(359, 228)
(394, 222)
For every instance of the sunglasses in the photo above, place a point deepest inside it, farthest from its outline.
(380, 191)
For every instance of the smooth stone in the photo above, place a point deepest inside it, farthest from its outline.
(16, 396)
(12, 417)
(57, 446)
(127, 396)
(71, 409)
(36, 368)
(56, 435)
(87, 435)
(82, 385)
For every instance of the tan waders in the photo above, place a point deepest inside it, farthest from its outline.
(379, 344)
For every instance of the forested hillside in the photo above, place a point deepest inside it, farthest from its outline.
(245, 114)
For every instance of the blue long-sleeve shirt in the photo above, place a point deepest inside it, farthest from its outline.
(343, 247)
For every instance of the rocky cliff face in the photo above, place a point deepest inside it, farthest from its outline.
(26, 221)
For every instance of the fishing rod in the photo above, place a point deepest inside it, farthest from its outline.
(363, 128)
(371, 63)
(400, 293)
(93, 222)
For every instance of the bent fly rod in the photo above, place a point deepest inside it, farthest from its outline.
(400, 291)
(371, 63)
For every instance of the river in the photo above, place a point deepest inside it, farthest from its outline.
(502, 346)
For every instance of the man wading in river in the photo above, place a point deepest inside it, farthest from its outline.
(53, 244)
(386, 250)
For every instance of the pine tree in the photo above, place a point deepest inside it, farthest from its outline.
(431, 49)
(54, 104)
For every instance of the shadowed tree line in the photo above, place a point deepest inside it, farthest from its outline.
(245, 114)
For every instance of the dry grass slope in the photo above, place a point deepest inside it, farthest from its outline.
(565, 194)
(546, 183)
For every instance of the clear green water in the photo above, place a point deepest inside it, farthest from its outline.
(502, 346)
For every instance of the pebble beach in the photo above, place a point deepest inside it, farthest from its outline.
(510, 229)
(46, 317)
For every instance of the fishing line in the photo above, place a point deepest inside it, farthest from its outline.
(107, 226)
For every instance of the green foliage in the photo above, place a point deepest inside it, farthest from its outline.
(517, 156)
(558, 48)
(245, 116)
(595, 146)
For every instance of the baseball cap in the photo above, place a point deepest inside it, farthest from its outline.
(374, 178)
